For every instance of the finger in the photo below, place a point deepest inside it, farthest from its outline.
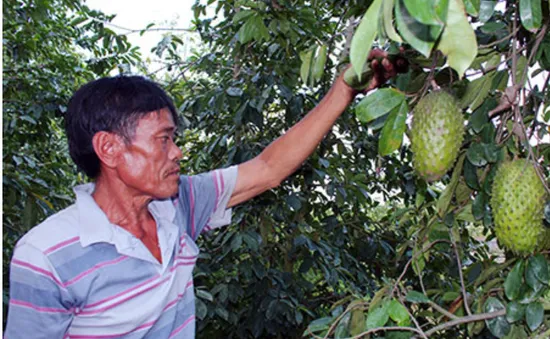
(378, 72)
(377, 54)
(389, 68)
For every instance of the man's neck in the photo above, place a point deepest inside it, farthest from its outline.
(124, 207)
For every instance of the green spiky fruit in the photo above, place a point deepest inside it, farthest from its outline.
(437, 132)
(517, 202)
(544, 243)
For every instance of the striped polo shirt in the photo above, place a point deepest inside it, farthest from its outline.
(78, 276)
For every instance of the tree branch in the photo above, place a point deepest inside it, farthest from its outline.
(442, 310)
(465, 320)
(459, 264)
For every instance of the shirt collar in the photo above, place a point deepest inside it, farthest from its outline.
(95, 226)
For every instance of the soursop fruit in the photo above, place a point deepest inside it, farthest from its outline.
(544, 242)
(517, 202)
(437, 133)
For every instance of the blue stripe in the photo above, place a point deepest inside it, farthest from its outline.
(108, 280)
(73, 260)
(24, 322)
(42, 294)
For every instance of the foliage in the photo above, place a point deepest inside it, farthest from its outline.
(353, 241)
(309, 252)
(50, 48)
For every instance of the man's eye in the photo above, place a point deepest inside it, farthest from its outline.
(165, 139)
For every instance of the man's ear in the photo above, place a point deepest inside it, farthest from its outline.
(107, 146)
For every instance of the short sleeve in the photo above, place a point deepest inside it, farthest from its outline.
(40, 306)
(203, 199)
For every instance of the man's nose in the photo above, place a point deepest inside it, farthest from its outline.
(175, 153)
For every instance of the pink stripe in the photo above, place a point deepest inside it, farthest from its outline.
(181, 264)
(190, 319)
(37, 308)
(66, 335)
(61, 244)
(95, 267)
(194, 257)
(127, 298)
(173, 302)
(88, 336)
(178, 298)
(37, 270)
(215, 177)
(192, 197)
(122, 293)
(223, 183)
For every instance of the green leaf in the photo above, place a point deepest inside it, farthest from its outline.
(241, 15)
(512, 285)
(450, 296)
(201, 309)
(536, 272)
(357, 322)
(476, 155)
(362, 40)
(420, 37)
(378, 317)
(294, 202)
(517, 332)
(539, 266)
(319, 65)
(486, 10)
(204, 295)
(498, 326)
(477, 91)
(318, 325)
(378, 104)
(534, 314)
(470, 175)
(394, 128)
(472, 7)
(236, 242)
(530, 12)
(253, 29)
(416, 297)
(514, 311)
(424, 11)
(387, 14)
(446, 196)
(306, 57)
(520, 69)
(458, 41)
(398, 312)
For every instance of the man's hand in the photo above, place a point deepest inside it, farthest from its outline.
(382, 67)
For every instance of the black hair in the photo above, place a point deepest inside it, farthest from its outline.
(111, 104)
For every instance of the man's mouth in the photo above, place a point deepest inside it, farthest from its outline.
(173, 172)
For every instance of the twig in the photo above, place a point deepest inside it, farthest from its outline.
(389, 328)
(459, 264)
(430, 245)
(337, 320)
(465, 320)
(130, 30)
(442, 310)
(412, 317)
(494, 43)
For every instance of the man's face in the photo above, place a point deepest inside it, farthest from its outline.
(151, 160)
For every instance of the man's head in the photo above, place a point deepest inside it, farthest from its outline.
(125, 125)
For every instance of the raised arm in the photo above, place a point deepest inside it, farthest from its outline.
(284, 155)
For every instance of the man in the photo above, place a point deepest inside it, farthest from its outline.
(118, 262)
